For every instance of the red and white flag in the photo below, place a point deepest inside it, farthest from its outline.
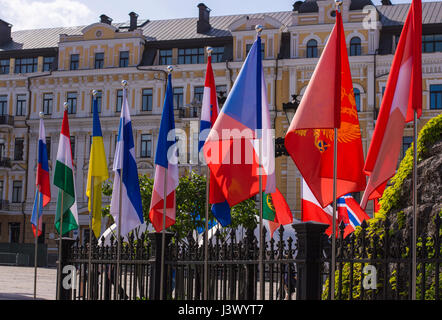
(403, 96)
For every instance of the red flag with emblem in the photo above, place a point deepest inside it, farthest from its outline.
(309, 140)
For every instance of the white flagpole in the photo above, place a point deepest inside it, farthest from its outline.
(36, 244)
(413, 251)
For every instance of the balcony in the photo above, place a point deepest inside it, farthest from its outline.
(6, 120)
(5, 162)
(4, 205)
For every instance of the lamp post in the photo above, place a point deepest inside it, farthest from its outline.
(289, 110)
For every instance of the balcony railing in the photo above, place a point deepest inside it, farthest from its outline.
(4, 205)
(6, 119)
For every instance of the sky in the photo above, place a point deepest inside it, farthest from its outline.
(33, 14)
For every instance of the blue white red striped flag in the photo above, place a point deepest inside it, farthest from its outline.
(43, 187)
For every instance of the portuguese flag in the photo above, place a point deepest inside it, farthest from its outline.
(276, 211)
(64, 180)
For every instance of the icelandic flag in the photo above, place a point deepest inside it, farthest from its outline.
(43, 190)
(209, 113)
(232, 147)
(126, 176)
(165, 158)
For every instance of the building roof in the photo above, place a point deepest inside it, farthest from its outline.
(396, 14)
(182, 29)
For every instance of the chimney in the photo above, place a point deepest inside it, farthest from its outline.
(105, 19)
(386, 3)
(133, 21)
(296, 5)
(203, 25)
(5, 32)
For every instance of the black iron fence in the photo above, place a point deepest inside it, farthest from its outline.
(369, 266)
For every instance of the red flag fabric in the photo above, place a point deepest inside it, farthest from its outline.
(402, 96)
(311, 146)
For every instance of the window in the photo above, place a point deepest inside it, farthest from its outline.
(198, 93)
(48, 63)
(14, 232)
(18, 149)
(20, 109)
(75, 61)
(406, 143)
(436, 96)
(26, 65)
(190, 55)
(357, 94)
(432, 43)
(17, 187)
(48, 147)
(1, 191)
(124, 59)
(147, 100)
(355, 46)
(72, 102)
(99, 99)
(217, 54)
(312, 48)
(4, 66)
(165, 57)
(221, 92)
(249, 46)
(47, 103)
(178, 97)
(72, 140)
(99, 60)
(146, 146)
(119, 100)
(3, 105)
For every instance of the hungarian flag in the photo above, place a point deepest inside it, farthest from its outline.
(328, 103)
(209, 113)
(166, 163)
(402, 97)
(64, 179)
(43, 192)
(348, 211)
(232, 148)
(98, 170)
(276, 211)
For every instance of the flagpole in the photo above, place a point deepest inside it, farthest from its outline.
(60, 240)
(413, 251)
(91, 214)
(117, 275)
(333, 262)
(36, 244)
(163, 231)
(206, 234)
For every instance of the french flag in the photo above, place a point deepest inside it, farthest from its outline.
(126, 176)
(43, 189)
(166, 166)
(209, 113)
(232, 148)
(402, 97)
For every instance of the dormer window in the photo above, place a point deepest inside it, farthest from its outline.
(4, 66)
(48, 63)
(190, 55)
(165, 57)
(26, 65)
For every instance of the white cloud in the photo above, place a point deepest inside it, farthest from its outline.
(29, 14)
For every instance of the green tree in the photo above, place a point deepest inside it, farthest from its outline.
(190, 203)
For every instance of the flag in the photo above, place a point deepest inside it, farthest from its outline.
(209, 113)
(64, 179)
(402, 96)
(165, 158)
(98, 170)
(276, 211)
(43, 189)
(310, 138)
(126, 177)
(232, 147)
(348, 211)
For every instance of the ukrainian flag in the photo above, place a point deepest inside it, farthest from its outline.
(98, 170)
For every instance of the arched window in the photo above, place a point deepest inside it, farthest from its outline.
(312, 49)
(355, 46)
(357, 94)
